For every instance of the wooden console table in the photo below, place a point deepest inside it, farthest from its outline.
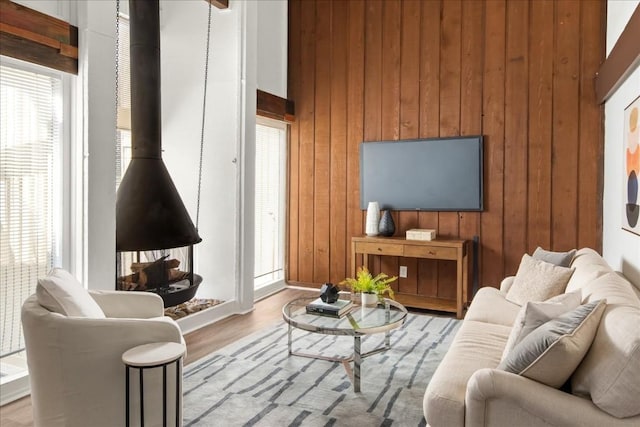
(440, 249)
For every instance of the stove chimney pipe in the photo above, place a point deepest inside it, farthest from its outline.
(149, 211)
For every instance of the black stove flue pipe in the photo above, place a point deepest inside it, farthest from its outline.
(149, 211)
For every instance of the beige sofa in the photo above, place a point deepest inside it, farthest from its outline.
(467, 390)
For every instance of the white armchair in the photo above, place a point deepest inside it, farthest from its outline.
(75, 363)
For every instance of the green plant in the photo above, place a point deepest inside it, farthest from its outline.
(364, 282)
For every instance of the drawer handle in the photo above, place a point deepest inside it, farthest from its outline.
(432, 253)
(379, 249)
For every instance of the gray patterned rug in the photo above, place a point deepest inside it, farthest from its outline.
(255, 382)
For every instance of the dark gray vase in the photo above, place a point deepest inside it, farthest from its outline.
(386, 227)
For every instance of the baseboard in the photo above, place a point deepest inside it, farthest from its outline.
(268, 290)
(14, 389)
(208, 316)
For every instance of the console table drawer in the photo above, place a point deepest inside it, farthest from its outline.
(379, 248)
(434, 252)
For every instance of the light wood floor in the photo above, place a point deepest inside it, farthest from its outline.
(199, 344)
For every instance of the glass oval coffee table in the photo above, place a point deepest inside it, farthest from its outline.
(357, 322)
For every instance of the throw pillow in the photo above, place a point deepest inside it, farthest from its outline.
(553, 351)
(562, 259)
(60, 292)
(534, 314)
(609, 374)
(537, 281)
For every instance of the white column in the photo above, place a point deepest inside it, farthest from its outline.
(96, 117)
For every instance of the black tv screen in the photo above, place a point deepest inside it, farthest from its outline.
(435, 174)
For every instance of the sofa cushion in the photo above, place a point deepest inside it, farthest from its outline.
(562, 259)
(534, 314)
(588, 266)
(60, 292)
(477, 345)
(552, 352)
(537, 281)
(490, 306)
(610, 371)
(612, 286)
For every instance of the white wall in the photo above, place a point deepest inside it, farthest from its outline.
(272, 46)
(183, 47)
(619, 247)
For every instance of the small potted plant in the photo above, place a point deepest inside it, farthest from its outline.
(371, 289)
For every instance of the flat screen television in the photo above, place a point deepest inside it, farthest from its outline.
(435, 174)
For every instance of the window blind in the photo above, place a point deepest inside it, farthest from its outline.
(30, 185)
(123, 131)
(269, 204)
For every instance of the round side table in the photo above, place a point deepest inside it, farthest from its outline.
(149, 356)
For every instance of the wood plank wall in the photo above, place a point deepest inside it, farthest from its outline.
(520, 73)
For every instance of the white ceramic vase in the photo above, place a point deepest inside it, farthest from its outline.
(369, 300)
(373, 219)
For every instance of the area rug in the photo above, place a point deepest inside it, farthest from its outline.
(254, 382)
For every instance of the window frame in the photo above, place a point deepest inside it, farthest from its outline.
(68, 212)
(279, 284)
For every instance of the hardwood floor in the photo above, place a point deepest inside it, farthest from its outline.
(199, 344)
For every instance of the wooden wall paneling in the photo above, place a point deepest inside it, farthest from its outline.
(493, 129)
(539, 135)
(450, 74)
(293, 159)
(355, 120)
(321, 190)
(471, 106)
(591, 137)
(373, 83)
(409, 119)
(566, 90)
(306, 115)
(373, 74)
(375, 71)
(390, 100)
(515, 135)
(430, 68)
(429, 125)
(338, 207)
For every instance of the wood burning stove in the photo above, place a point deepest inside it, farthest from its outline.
(167, 272)
(154, 233)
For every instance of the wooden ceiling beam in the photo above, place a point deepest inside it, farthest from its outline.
(220, 4)
(33, 36)
(274, 107)
(623, 59)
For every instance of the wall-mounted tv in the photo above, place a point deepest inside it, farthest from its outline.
(435, 174)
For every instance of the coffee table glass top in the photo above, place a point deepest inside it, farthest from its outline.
(359, 320)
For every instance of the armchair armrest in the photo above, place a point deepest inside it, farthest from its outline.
(506, 283)
(142, 305)
(499, 398)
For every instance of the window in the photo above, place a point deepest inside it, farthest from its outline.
(270, 203)
(123, 130)
(31, 183)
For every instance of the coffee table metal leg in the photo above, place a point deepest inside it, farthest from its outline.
(289, 338)
(357, 359)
